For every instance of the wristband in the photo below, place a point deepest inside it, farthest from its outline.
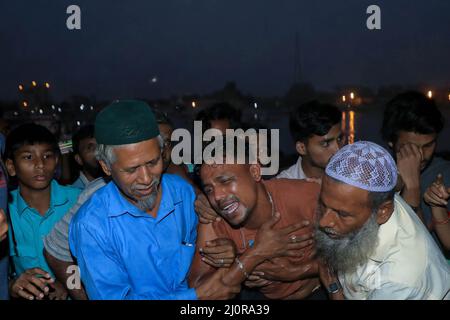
(241, 267)
(441, 222)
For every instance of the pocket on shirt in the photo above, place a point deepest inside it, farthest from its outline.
(25, 258)
(25, 250)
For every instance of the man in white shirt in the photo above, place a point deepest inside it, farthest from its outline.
(316, 130)
(372, 244)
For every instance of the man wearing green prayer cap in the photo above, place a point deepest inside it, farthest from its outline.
(135, 237)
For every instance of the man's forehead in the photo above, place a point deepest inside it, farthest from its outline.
(217, 169)
(148, 149)
(88, 140)
(35, 146)
(415, 138)
(341, 195)
(334, 132)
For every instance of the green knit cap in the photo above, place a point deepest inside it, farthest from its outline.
(125, 122)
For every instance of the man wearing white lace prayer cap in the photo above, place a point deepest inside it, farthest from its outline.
(372, 244)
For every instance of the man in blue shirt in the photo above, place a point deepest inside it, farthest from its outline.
(135, 238)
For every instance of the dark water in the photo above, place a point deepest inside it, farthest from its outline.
(367, 124)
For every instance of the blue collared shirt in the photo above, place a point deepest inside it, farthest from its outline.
(125, 253)
(28, 227)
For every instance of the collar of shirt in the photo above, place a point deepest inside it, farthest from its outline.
(83, 178)
(294, 172)
(119, 205)
(387, 232)
(57, 198)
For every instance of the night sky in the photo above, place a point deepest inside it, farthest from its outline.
(195, 46)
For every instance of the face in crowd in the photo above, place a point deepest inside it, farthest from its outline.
(34, 165)
(231, 189)
(319, 149)
(137, 172)
(86, 156)
(347, 224)
(426, 143)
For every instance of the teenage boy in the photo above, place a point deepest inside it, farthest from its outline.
(38, 203)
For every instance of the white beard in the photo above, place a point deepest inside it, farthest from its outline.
(345, 254)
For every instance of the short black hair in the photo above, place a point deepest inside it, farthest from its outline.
(411, 111)
(313, 118)
(85, 132)
(220, 111)
(242, 149)
(29, 134)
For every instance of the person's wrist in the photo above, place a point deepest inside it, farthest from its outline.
(412, 184)
(441, 219)
(256, 254)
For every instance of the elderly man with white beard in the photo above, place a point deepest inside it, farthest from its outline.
(371, 243)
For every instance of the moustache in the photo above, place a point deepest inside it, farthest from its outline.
(138, 187)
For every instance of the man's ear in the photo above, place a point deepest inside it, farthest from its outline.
(301, 148)
(10, 167)
(78, 160)
(105, 168)
(385, 211)
(255, 171)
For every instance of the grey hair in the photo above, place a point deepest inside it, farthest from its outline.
(106, 153)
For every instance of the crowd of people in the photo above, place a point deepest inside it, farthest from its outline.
(345, 221)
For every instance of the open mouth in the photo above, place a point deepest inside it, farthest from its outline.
(230, 208)
(331, 234)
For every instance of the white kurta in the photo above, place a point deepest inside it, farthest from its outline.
(293, 172)
(407, 263)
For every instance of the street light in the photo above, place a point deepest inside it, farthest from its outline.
(194, 104)
(47, 85)
(20, 87)
(430, 94)
(344, 98)
(352, 95)
(33, 83)
(25, 104)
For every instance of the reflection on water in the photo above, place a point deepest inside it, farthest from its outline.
(348, 126)
(362, 122)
